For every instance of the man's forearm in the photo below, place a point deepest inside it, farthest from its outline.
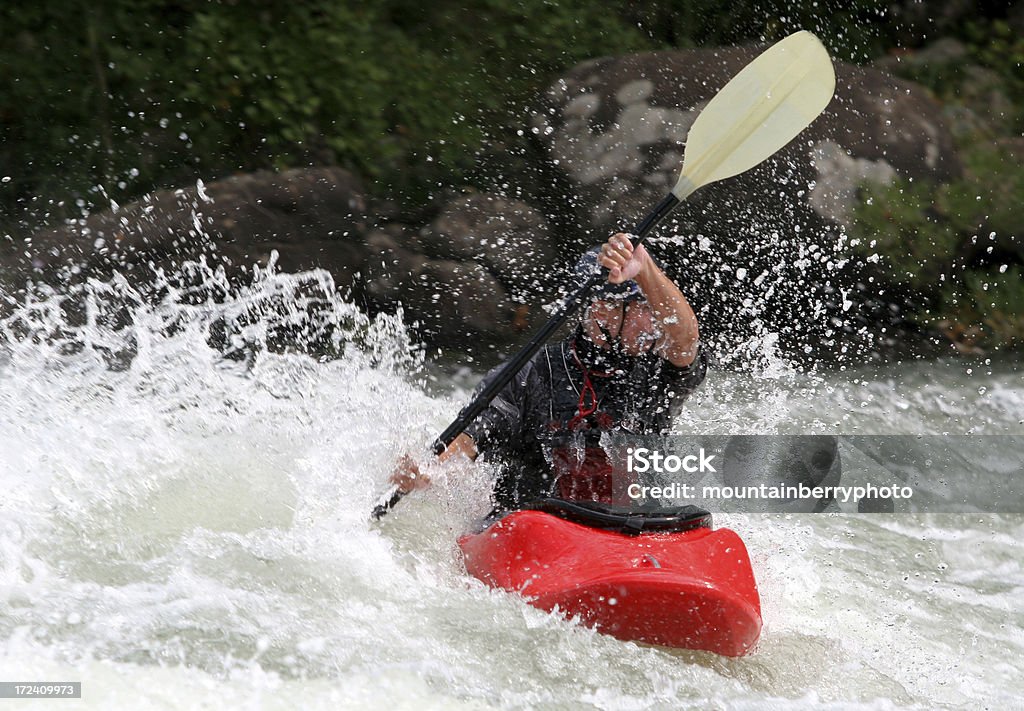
(462, 445)
(672, 312)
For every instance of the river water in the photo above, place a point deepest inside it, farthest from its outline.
(184, 525)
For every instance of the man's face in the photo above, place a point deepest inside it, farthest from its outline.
(638, 332)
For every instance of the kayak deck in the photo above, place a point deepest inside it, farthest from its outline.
(693, 589)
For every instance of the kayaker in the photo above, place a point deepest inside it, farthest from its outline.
(627, 368)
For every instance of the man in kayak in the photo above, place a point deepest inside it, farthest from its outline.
(627, 368)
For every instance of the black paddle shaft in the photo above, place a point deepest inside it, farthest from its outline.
(568, 307)
(508, 371)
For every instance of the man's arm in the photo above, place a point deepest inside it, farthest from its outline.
(671, 309)
(492, 426)
(407, 475)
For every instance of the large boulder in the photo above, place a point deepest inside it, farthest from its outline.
(454, 302)
(474, 276)
(616, 128)
(311, 218)
(762, 253)
(507, 236)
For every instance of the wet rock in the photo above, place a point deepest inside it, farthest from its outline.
(468, 278)
(890, 125)
(455, 302)
(310, 217)
(508, 237)
(475, 276)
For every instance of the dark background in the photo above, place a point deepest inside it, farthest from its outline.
(104, 101)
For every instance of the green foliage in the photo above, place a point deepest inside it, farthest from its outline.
(996, 46)
(929, 234)
(991, 66)
(853, 31)
(936, 238)
(898, 222)
(997, 303)
(131, 95)
(990, 194)
(985, 309)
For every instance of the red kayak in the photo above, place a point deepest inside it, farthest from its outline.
(660, 576)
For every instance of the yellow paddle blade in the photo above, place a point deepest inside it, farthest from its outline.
(759, 111)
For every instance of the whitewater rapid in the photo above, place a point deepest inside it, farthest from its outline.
(186, 486)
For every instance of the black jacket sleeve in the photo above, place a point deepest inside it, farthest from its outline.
(500, 424)
(679, 383)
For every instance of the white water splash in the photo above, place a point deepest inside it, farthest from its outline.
(188, 469)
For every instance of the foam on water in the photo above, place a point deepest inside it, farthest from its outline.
(185, 522)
